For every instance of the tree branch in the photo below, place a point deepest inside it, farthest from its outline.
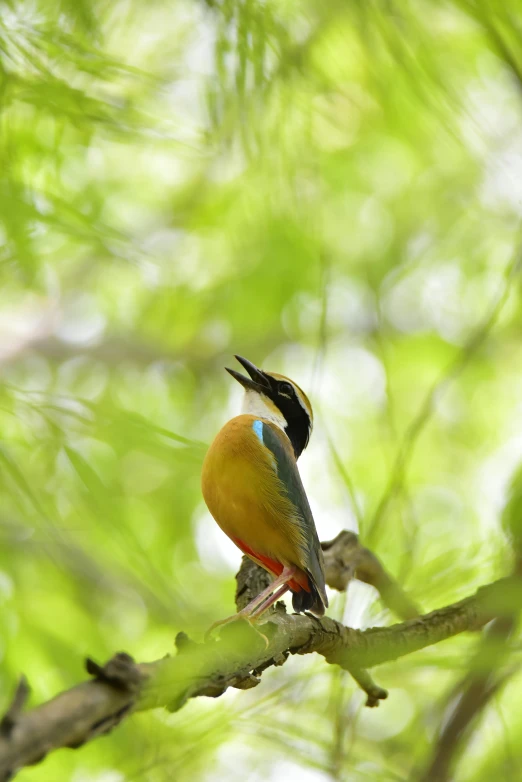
(345, 559)
(236, 659)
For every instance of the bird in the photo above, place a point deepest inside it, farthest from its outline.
(251, 485)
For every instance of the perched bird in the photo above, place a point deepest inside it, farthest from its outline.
(252, 488)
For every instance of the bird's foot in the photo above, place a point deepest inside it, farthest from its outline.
(241, 615)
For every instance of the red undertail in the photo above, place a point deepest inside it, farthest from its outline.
(297, 584)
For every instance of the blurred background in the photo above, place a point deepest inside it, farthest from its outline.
(332, 190)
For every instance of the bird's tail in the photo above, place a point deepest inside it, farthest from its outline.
(309, 601)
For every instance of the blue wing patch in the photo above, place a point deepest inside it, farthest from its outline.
(257, 426)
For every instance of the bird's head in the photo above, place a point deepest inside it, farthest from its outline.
(278, 399)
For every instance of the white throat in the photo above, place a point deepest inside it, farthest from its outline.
(259, 405)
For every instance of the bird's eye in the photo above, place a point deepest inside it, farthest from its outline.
(286, 389)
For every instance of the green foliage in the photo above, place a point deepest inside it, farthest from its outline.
(512, 515)
(332, 190)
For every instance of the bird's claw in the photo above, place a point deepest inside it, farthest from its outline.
(237, 617)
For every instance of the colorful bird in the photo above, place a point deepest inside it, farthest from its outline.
(252, 488)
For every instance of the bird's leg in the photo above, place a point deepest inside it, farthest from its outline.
(261, 602)
(282, 580)
(269, 601)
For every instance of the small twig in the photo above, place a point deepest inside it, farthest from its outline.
(121, 672)
(345, 559)
(366, 683)
(20, 697)
(343, 472)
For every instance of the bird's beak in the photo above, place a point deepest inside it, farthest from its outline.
(257, 381)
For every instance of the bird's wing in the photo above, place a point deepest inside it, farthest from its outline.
(284, 463)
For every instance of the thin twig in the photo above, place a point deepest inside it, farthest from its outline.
(346, 558)
(343, 472)
(9, 719)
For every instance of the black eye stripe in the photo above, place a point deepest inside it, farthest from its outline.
(285, 389)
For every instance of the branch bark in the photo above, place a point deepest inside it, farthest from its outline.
(236, 659)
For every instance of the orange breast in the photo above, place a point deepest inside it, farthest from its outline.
(244, 495)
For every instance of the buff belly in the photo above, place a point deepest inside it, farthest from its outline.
(243, 494)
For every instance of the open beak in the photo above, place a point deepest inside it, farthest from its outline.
(257, 381)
